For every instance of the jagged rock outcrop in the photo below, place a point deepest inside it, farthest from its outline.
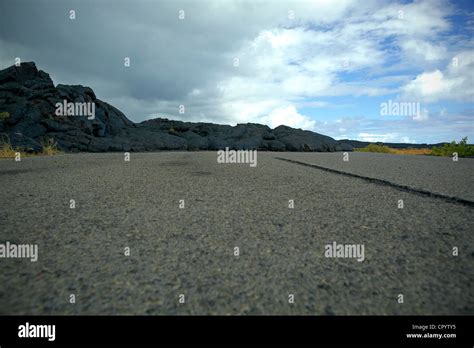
(28, 104)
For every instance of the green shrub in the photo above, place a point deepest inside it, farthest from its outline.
(173, 131)
(462, 148)
(375, 148)
(4, 115)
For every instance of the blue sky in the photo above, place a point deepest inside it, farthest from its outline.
(322, 65)
(366, 109)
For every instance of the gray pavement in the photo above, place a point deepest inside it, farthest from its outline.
(190, 251)
(435, 174)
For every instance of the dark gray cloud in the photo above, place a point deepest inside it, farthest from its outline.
(169, 57)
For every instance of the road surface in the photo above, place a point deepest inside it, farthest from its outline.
(191, 251)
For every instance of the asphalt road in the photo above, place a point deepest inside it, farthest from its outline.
(435, 174)
(190, 251)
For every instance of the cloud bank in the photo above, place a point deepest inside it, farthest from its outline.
(286, 62)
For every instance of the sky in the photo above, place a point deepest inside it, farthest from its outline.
(329, 66)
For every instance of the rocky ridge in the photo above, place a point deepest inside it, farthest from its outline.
(27, 117)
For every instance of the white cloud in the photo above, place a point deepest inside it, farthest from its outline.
(422, 116)
(443, 125)
(291, 64)
(423, 49)
(428, 86)
(372, 137)
(285, 65)
(407, 140)
(288, 116)
(455, 83)
(313, 104)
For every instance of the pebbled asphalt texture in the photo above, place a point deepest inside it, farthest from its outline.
(190, 251)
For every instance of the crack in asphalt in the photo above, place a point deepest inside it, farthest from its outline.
(405, 188)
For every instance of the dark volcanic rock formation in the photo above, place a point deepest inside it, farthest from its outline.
(28, 100)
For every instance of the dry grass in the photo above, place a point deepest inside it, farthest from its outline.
(385, 149)
(50, 148)
(461, 148)
(423, 151)
(7, 151)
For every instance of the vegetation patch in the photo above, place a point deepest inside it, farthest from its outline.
(6, 148)
(411, 151)
(50, 148)
(4, 116)
(374, 148)
(385, 149)
(462, 148)
(173, 131)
